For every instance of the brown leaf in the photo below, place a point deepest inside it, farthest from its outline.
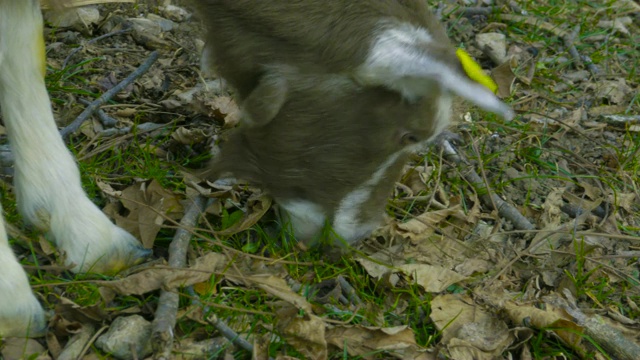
(189, 136)
(361, 340)
(21, 348)
(224, 107)
(278, 287)
(257, 206)
(504, 78)
(432, 278)
(306, 333)
(148, 205)
(468, 331)
(156, 278)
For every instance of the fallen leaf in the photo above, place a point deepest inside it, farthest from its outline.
(362, 340)
(148, 205)
(432, 278)
(21, 348)
(278, 287)
(468, 332)
(504, 77)
(155, 278)
(257, 206)
(615, 91)
(189, 136)
(305, 333)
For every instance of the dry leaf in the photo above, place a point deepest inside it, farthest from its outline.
(148, 205)
(306, 332)
(257, 206)
(432, 278)
(21, 348)
(224, 107)
(549, 317)
(189, 136)
(504, 78)
(361, 341)
(615, 91)
(156, 278)
(278, 287)
(423, 226)
(468, 331)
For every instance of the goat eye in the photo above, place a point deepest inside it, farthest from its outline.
(409, 139)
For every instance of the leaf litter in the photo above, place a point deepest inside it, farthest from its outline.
(487, 289)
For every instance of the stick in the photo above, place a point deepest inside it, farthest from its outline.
(491, 199)
(166, 313)
(125, 30)
(106, 120)
(611, 339)
(75, 125)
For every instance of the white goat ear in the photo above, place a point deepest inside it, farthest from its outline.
(403, 57)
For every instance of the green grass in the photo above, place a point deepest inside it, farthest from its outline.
(542, 155)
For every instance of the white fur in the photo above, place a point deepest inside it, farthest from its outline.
(345, 222)
(397, 60)
(306, 219)
(25, 316)
(47, 180)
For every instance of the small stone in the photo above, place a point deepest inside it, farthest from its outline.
(175, 13)
(165, 24)
(145, 26)
(494, 45)
(125, 334)
(77, 18)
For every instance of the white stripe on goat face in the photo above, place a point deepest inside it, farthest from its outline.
(402, 58)
(348, 222)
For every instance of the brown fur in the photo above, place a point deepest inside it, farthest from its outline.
(245, 37)
(329, 138)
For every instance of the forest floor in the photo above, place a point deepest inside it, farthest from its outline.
(554, 273)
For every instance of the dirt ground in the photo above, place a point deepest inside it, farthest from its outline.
(553, 273)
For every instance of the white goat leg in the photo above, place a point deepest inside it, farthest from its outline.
(47, 180)
(20, 311)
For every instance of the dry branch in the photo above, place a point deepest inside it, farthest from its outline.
(166, 313)
(611, 339)
(126, 30)
(489, 199)
(75, 125)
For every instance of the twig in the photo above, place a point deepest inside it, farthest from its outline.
(166, 313)
(504, 209)
(105, 120)
(124, 30)
(349, 291)
(567, 38)
(144, 127)
(228, 333)
(614, 342)
(473, 11)
(108, 95)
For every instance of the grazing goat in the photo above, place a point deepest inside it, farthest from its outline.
(333, 152)
(335, 94)
(47, 181)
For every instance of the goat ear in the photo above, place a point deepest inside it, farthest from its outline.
(402, 58)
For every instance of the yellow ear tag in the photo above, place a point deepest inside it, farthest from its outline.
(475, 72)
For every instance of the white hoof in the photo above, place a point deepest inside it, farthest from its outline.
(20, 312)
(90, 242)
